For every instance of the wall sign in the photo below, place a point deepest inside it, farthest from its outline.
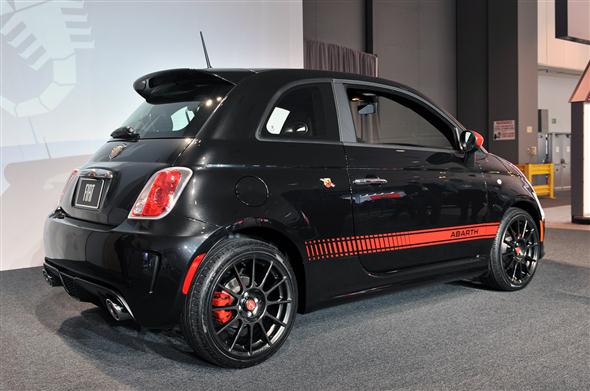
(505, 130)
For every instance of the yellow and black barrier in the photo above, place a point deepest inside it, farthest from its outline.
(529, 170)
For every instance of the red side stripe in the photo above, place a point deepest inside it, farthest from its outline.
(368, 244)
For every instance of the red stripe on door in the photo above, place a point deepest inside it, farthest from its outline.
(395, 241)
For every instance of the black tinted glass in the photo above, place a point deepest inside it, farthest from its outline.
(386, 118)
(306, 112)
(176, 119)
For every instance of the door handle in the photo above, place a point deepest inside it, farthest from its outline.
(369, 181)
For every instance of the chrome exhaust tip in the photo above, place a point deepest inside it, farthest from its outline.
(52, 281)
(117, 310)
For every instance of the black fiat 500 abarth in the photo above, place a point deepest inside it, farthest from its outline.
(232, 199)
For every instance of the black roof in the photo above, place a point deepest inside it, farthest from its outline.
(237, 75)
(149, 86)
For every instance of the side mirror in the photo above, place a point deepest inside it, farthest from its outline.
(471, 140)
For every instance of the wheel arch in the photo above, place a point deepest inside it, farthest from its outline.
(285, 245)
(531, 209)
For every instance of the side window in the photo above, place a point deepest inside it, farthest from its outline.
(386, 118)
(305, 112)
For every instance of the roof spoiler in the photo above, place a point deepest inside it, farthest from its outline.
(175, 84)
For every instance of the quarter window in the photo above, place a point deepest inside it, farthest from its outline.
(382, 117)
(304, 113)
(181, 118)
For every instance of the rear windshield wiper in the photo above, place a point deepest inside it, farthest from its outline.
(126, 132)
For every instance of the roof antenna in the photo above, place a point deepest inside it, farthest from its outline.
(205, 50)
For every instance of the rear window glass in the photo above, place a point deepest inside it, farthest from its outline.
(176, 119)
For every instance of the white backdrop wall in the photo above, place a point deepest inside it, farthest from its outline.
(67, 69)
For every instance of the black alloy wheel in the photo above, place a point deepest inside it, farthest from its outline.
(242, 303)
(516, 251)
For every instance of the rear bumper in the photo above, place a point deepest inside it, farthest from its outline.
(143, 271)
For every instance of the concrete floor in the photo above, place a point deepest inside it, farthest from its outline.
(562, 197)
(558, 212)
(440, 337)
(561, 217)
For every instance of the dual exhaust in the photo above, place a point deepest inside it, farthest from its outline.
(115, 304)
(51, 280)
(117, 310)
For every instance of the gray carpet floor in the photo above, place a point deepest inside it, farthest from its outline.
(440, 337)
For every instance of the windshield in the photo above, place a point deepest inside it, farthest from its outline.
(176, 119)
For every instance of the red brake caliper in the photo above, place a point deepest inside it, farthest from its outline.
(222, 299)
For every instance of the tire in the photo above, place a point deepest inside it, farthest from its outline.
(515, 252)
(233, 320)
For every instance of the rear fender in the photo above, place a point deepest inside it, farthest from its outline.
(266, 230)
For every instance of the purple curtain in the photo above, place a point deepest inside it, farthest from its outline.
(329, 57)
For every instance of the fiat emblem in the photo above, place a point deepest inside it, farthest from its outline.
(117, 150)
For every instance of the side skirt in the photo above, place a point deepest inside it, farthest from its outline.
(372, 284)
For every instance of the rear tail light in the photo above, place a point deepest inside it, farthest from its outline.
(69, 182)
(160, 193)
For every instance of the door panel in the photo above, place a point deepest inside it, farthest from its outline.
(428, 208)
(416, 199)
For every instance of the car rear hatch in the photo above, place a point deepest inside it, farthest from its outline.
(177, 105)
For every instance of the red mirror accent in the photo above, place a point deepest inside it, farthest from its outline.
(478, 138)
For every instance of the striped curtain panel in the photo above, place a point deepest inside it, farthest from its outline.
(329, 57)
